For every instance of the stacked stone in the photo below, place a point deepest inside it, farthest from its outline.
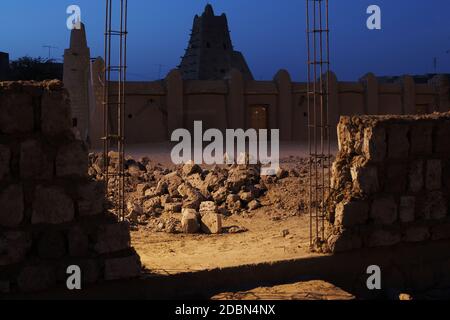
(391, 181)
(51, 213)
(154, 191)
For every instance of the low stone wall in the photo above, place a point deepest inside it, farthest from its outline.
(51, 215)
(390, 182)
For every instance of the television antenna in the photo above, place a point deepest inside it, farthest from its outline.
(50, 48)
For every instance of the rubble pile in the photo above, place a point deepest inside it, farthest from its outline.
(193, 199)
(198, 197)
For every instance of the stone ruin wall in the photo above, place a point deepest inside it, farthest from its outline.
(51, 215)
(390, 182)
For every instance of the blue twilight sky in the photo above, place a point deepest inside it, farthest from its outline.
(270, 33)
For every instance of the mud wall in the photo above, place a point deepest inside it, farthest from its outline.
(390, 182)
(156, 109)
(51, 215)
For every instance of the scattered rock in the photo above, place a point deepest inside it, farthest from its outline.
(235, 230)
(246, 196)
(173, 207)
(253, 205)
(405, 297)
(207, 207)
(189, 221)
(191, 196)
(282, 174)
(151, 205)
(211, 223)
(190, 168)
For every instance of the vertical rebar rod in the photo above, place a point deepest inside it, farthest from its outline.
(318, 115)
(114, 177)
(106, 98)
(119, 119)
(328, 137)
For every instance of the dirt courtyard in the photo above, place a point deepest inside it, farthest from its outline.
(277, 231)
(268, 239)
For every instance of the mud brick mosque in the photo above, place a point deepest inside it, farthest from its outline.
(214, 84)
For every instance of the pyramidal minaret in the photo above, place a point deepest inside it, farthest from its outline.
(210, 54)
(76, 79)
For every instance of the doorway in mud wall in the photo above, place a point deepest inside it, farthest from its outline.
(258, 117)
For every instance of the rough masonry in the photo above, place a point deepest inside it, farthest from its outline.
(391, 182)
(51, 214)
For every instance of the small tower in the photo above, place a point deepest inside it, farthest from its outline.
(210, 54)
(76, 79)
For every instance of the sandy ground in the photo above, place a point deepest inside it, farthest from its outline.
(278, 231)
(268, 239)
(308, 290)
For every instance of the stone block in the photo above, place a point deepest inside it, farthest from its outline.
(90, 270)
(396, 178)
(14, 246)
(196, 181)
(52, 245)
(16, 113)
(173, 207)
(345, 142)
(383, 238)
(122, 268)
(343, 242)
(416, 176)
(407, 209)
(433, 177)
(220, 196)
(398, 142)
(374, 145)
(191, 168)
(55, 113)
(78, 242)
(52, 206)
(35, 162)
(446, 176)
(5, 160)
(421, 139)
(91, 198)
(253, 205)
(442, 138)
(112, 238)
(189, 221)
(72, 160)
(416, 234)
(434, 206)
(141, 188)
(12, 206)
(36, 278)
(365, 179)
(5, 287)
(349, 214)
(206, 207)
(151, 205)
(211, 223)
(173, 181)
(192, 198)
(384, 210)
(246, 196)
(440, 232)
